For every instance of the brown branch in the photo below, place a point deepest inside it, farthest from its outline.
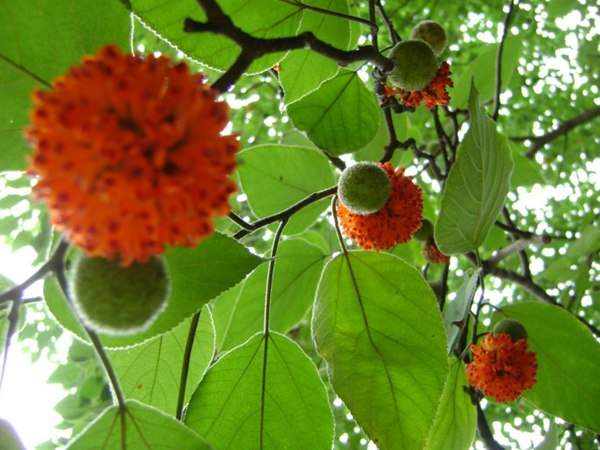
(253, 47)
(485, 432)
(505, 27)
(540, 141)
(329, 12)
(517, 246)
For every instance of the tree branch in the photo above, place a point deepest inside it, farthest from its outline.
(287, 213)
(562, 129)
(505, 27)
(485, 432)
(253, 47)
(517, 246)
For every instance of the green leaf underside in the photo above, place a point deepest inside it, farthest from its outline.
(379, 328)
(264, 19)
(458, 309)
(145, 428)
(9, 439)
(32, 53)
(568, 356)
(476, 186)
(226, 407)
(197, 276)
(303, 71)
(456, 418)
(483, 72)
(339, 117)
(238, 315)
(150, 372)
(275, 177)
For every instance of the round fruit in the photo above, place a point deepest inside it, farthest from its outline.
(425, 233)
(119, 300)
(416, 65)
(432, 33)
(512, 327)
(364, 188)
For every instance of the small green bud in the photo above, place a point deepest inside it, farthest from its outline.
(513, 327)
(432, 33)
(416, 65)
(364, 188)
(119, 300)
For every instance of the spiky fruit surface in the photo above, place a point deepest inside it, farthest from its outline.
(425, 233)
(512, 327)
(432, 33)
(416, 65)
(119, 300)
(364, 188)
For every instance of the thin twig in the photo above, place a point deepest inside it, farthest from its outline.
(394, 36)
(267, 324)
(288, 212)
(505, 28)
(238, 220)
(517, 246)
(485, 432)
(329, 12)
(185, 366)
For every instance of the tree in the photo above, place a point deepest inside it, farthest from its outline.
(292, 316)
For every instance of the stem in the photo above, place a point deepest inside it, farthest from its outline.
(110, 372)
(505, 27)
(485, 432)
(185, 367)
(266, 329)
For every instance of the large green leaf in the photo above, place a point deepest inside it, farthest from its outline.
(150, 372)
(568, 376)
(239, 316)
(456, 418)
(339, 117)
(197, 276)
(304, 70)
(483, 72)
(39, 40)
(263, 19)
(477, 185)
(245, 402)
(138, 427)
(377, 324)
(275, 177)
(9, 439)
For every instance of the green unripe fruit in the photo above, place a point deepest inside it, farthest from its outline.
(425, 233)
(416, 65)
(512, 327)
(364, 188)
(119, 300)
(432, 33)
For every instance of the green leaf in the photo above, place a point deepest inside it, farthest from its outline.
(458, 309)
(262, 19)
(297, 272)
(9, 437)
(526, 171)
(197, 276)
(228, 405)
(39, 40)
(144, 428)
(304, 70)
(150, 372)
(476, 187)
(339, 117)
(377, 324)
(568, 356)
(588, 243)
(483, 72)
(456, 417)
(551, 439)
(275, 177)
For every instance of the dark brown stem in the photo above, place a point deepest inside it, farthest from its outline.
(505, 27)
(185, 366)
(485, 432)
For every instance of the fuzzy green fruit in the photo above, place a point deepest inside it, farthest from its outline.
(432, 33)
(364, 188)
(119, 300)
(425, 233)
(513, 327)
(416, 65)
